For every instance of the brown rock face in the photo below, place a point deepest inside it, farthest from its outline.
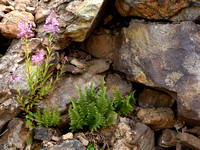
(160, 118)
(165, 56)
(167, 138)
(150, 9)
(189, 140)
(152, 98)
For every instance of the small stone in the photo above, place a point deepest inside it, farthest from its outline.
(68, 136)
(167, 138)
(43, 133)
(83, 139)
(78, 64)
(55, 138)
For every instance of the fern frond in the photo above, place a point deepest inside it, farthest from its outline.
(55, 117)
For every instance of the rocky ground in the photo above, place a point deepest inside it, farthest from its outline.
(148, 46)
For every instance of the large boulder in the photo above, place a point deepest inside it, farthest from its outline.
(165, 56)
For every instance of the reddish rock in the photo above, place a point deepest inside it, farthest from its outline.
(9, 24)
(150, 9)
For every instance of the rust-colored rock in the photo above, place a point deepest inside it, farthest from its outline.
(9, 23)
(160, 118)
(150, 9)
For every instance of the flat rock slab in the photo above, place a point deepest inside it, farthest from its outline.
(164, 56)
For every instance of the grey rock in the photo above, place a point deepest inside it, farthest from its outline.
(67, 145)
(15, 136)
(152, 98)
(43, 133)
(165, 56)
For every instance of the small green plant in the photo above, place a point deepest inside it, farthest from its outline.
(123, 105)
(91, 147)
(47, 119)
(1, 55)
(92, 109)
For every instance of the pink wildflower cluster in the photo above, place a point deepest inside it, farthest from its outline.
(39, 56)
(14, 77)
(51, 23)
(25, 28)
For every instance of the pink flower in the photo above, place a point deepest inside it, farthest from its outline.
(39, 56)
(14, 77)
(25, 28)
(51, 23)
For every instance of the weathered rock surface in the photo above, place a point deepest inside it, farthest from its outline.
(160, 118)
(102, 44)
(16, 135)
(189, 140)
(68, 88)
(150, 9)
(164, 56)
(42, 134)
(13, 61)
(152, 98)
(141, 137)
(76, 19)
(67, 145)
(124, 86)
(10, 21)
(167, 138)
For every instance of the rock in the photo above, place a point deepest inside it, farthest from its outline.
(101, 45)
(16, 135)
(67, 145)
(82, 139)
(189, 140)
(187, 14)
(13, 61)
(78, 64)
(64, 121)
(167, 138)
(43, 133)
(157, 55)
(60, 96)
(77, 19)
(9, 24)
(72, 69)
(68, 136)
(150, 9)
(98, 66)
(195, 130)
(4, 8)
(141, 137)
(152, 98)
(124, 86)
(160, 118)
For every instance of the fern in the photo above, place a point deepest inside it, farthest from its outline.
(92, 109)
(123, 105)
(47, 119)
